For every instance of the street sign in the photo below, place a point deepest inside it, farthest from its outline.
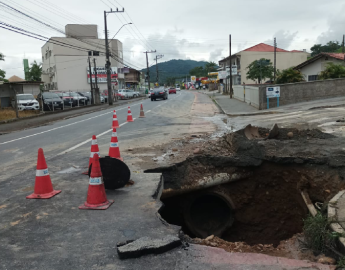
(193, 79)
(222, 74)
(273, 92)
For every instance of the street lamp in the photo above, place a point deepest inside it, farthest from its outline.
(119, 31)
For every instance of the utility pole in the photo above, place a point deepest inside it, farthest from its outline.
(158, 57)
(91, 81)
(343, 49)
(275, 58)
(148, 70)
(230, 67)
(95, 67)
(107, 54)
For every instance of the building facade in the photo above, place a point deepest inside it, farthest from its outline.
(313, 66)
(65, 60)
(284, 59)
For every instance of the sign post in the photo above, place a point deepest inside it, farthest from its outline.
(272, 92)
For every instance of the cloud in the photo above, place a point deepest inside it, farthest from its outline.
(335, 28)
(284, 39)
(215, 56)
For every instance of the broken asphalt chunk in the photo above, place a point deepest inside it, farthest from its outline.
(147, 245)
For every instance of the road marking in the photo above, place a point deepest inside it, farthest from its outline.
(89, 140)
(49, 130)
(148, 111)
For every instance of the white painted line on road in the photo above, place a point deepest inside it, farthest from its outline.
(89, 140)
(148, 111)
(62, 126)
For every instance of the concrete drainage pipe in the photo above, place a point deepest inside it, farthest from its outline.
(209, 213)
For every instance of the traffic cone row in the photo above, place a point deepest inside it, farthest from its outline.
(96, 197)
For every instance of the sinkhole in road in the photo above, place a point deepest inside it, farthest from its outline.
(263, 205)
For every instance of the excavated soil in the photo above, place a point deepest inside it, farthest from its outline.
(268, 176)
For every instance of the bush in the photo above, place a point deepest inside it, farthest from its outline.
(333, 71)
(289, 75)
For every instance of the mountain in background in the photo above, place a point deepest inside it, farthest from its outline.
(178, 69)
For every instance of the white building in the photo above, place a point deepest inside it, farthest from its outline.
(312, 68)
(65, 62)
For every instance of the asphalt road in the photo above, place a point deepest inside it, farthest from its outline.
(18, 150)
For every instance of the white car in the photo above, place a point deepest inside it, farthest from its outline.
(178, 89)
(26, 102)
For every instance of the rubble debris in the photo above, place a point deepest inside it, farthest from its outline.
(274, 132)
(290, 135)
(251, 132)
(326, 260)
(147, 245)
(197, 151)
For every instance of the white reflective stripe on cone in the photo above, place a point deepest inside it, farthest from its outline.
(114, 144)
(114, 134)
(92, 153)
(95, 181)
(42, 172)
(129, 113)
(93, 142)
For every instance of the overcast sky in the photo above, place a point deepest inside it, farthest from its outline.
(179, 29)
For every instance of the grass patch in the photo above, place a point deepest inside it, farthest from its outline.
(9, 113)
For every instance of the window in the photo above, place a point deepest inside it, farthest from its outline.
(42, 58)
(90, 53)
(312, 78)
(95, 53)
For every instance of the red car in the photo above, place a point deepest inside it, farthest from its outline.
(172, 90)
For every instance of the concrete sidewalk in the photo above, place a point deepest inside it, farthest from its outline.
(234, 107)
(230, 106)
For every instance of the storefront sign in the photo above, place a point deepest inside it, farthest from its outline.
(102, 75)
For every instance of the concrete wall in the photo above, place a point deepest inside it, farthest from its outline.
(317, 66)
(33, 89)
(248, 94)
(68, 67)
(304, 91)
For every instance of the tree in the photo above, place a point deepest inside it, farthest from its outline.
(210, 67)
(35, 72)
(289, 75)
(260, 70)
(2, 72)
(332, 71)
(331, 46)
(197, 71)
(170, 80)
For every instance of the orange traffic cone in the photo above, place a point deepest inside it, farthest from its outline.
(142, 115)
(96, 197)
(94, 150)
(115, 122)
(43, 184)
(129, 116)
(114, 150)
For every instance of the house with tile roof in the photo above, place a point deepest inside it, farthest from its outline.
(313, 66)
(242, 59)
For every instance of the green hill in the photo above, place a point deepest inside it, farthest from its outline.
(173, 68)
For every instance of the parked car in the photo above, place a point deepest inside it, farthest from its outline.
(149, 94)
(178, 88)
(67, 99)
(83, 94)
(172, 90)
(26, 102)
(77, 99)
(124, 93)
(50, 101)
(159, 93)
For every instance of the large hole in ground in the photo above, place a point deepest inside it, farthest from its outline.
(265, 207)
